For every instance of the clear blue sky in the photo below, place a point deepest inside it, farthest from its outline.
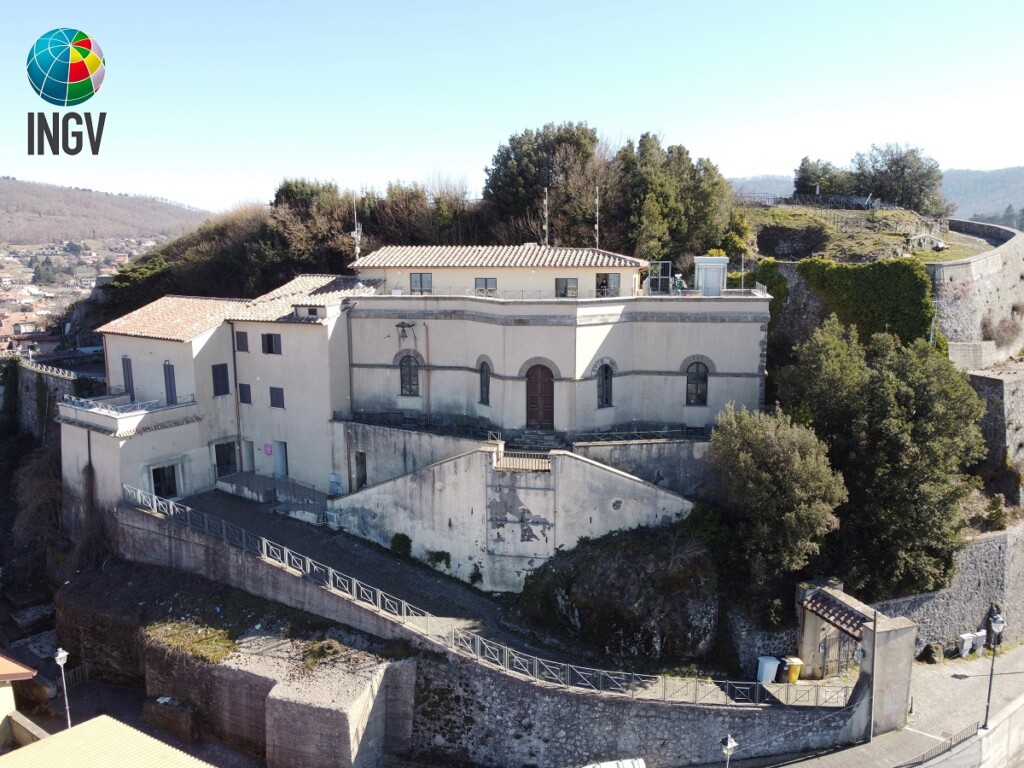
(213, 102)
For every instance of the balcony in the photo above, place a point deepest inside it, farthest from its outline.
(118, 416)
(573, 294)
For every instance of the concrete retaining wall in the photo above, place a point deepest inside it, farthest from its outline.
(678, 465)
(37, 394)
(496, 526)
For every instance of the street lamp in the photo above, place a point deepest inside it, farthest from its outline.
(728, 747)
(61, 657)
(997, 623)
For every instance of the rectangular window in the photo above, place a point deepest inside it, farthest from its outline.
(312, 312)
(420, 282)
(241, 341)
(607, 284)
(276, 397)
(486, 286)
(245, 394)
(220, 380)
(566, 287)
(271, 343)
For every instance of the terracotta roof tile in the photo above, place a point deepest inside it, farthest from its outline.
(493, 256)
(175, 318)
(306, 291)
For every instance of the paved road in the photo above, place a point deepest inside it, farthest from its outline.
(415, 583)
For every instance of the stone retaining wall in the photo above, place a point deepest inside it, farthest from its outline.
(990, 570)
(986, 289)
(464, 710)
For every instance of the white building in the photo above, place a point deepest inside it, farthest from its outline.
(356, 386)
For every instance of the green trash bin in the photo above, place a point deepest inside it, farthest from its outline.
(796, 665)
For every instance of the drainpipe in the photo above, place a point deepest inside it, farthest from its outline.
(238, 410)
(347, 310)
(426, 368)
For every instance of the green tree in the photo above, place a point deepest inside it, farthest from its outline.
(900, 423)
(813, 177)
(774, 480)
(903, 176)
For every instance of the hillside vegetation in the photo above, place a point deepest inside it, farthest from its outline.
(33, 213)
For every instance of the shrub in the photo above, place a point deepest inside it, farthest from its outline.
(401, 545)
(476, 575)
(996, 513)
(436, 558)
(1007, 331)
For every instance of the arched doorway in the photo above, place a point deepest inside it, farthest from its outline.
(540, 398)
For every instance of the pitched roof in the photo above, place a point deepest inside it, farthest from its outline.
(306, 291)
(174, 318)
(101, 742)
(493, 256)
(12, 670)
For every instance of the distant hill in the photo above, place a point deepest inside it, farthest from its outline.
(32, 213)
(763, 185)
(984, 192)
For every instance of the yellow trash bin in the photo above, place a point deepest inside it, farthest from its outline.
(795, 666)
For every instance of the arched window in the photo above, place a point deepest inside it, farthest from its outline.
(410, 374)
(697, 384)
(604, 386)
(485, 384)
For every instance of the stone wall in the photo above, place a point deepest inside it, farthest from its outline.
(39, 387)
(990, 570)
(802, 314)
(986, 289)
(479, 716)
(749, 641)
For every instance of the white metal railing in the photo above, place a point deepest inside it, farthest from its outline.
(522, 461)
(143, 406)
(47, 369)
(446, 632)
(552, 295)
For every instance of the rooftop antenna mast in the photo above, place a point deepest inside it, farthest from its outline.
(597, 219)
(545, 215)
(357, 233)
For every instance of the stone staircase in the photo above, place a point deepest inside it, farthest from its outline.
(535, 441)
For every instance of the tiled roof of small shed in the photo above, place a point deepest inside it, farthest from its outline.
(493, 256)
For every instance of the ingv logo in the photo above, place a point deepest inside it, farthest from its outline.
(65, 67)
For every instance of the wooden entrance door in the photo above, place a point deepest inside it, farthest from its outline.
(540, 398)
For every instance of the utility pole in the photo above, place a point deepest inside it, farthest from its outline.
(545, 215)
(597, 217)
(357, 232)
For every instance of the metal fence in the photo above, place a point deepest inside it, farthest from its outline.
(420, 422)
(447, 633)
(668, 433)
(939, 749)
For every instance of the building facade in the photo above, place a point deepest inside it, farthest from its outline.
(500, 340)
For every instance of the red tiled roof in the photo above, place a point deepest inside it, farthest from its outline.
(493, 256)
(306, 291)
(174, 318)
